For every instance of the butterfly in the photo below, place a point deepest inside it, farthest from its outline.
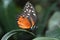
(27, 19)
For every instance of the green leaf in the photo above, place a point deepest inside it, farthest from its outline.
(54, 25)
(8, 14)
(42, 21)
(9, 34)
(45, 38)
(1, 31)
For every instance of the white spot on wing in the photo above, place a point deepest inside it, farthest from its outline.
(28, 6)
(28, 14)
(26, 9)
(32, 11)
(29, 11)
(31, 7)
(34, 14)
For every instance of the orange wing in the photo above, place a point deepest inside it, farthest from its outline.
(24, 23)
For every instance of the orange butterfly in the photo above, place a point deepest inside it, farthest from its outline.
(28, 17)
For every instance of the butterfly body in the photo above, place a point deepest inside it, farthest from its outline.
(28, 17)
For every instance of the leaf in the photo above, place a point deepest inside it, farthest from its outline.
(1, 31)
(42, 21)
(9, 34)
(45, 38)
(54, 26)
(8, 14)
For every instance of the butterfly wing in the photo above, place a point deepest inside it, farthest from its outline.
(28, 18)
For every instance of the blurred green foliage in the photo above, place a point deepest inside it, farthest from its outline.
(45, 9)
